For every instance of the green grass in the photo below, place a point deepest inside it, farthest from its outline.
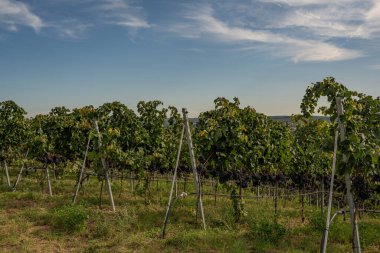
(34, 222)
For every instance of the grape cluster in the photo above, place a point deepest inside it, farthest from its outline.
(50, 158)
(361, 187)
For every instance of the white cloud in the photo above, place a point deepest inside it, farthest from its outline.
(331, 19)
(327, 22)
(376, 66)
(371, 26)
(96, 13)
(14, 13)
(113, 5)
(118, 12)
(374, 13)
(306, 2)
(320, 51)
(205, 24)
(73, 31)
(71, 18)
(133, 22)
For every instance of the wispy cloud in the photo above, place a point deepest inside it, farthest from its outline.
(119, 12)
(71, 29)
(376, 66)
(71, 19)
(331, 19)
(306, 2)
(14, 14)
(202, 22)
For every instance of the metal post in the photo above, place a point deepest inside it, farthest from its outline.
(7, 173)
(350, 200)
(20, 173)
(105, 168)
(193, 165)
(173, 183)
(347, 177)
(323, 194)
(48, 179)
(326, 232)
(79, 183)
(131, 181)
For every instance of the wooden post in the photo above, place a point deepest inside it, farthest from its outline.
(303, 204)
(215, 191)
(132, 182)
(54, 172)
(276, 200)
(184, 183)
(258, 192)
(101, 194)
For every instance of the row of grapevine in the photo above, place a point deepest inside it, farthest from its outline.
(237, 147)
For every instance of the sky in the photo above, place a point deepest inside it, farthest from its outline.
(185, 53)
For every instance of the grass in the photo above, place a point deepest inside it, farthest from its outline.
(31, 221)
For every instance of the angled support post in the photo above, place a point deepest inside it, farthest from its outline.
(350, 201)
(20, 173)
(104, 164)
(347, 178)
(7, 173)
(79, 183)
(328, 218)
(185, 132)
(194, 166)
(326, 231)
(173, 184)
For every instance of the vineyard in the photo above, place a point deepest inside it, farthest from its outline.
(117, 179)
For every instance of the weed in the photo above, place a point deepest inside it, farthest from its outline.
(268, 231)
(317, 222)
(102, 230)
(69, 218)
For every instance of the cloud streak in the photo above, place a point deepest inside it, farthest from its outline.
(71, 19)
(376, 66)
(331, 19)
(307, 2)
(119, 12)
(14, 14)
(204, 24)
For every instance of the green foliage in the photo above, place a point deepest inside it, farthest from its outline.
(237, 205)
(312, 146)
(317, 222)
(360, 150)
(239, 142)
(102, 229)
(268, 231)
(222, 134)
(12, 127)
(69, 218)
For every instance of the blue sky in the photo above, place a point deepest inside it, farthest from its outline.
(184, 53)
